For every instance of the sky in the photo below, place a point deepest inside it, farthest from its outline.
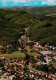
(10, 3)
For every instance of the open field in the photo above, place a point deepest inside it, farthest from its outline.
(15, 54)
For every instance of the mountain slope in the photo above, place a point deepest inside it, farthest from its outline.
(44, 31)
(13, 24)
(37, 11)
(19, 17)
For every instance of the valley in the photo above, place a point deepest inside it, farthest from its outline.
(28, 43)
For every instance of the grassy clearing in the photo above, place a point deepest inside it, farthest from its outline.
(15, 54)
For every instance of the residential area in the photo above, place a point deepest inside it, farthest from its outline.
(39, 67)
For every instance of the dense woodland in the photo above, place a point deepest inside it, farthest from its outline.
(44, 31)
(13, 23)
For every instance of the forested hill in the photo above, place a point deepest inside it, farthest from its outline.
(36, 10)
(44, 31)
(19, 17)
(12, 24)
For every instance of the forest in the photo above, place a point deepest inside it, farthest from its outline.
(13, 24)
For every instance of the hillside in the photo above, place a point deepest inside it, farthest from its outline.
(19, 17)
(13, 23)
(36, 11)
(44, 32)
(43, 11)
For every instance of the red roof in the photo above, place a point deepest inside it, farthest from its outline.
(35, 49)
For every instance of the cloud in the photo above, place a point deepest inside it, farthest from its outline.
(49, 2)
(28, 2)
(23, 1)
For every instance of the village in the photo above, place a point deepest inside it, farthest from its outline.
(25, 69)
(11, 69)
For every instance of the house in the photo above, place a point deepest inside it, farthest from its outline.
(40, 72)
(0, 68)
(2, 58)
(35, 46)
(0, 71)
(28, 40)
(37, 43)
(48, 59)
(9, 70)
(12, 77)
(54, 57)
(1, 47)
(23, 37)
(46, 52)
(35, 49)
(54, 78)
(49, 76)
(17, 68)
(19, 49)
(54, 48)
(37, 77)
(44, 79)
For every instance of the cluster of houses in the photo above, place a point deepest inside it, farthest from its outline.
(10, 69)
(37, 44)
(45, 51)
(14, 68)
(43, 74)
(46, 47)
(4, 49)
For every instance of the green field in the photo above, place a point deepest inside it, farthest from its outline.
(51, 14)
(15, 54)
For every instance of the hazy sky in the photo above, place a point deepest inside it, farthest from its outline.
(9, 3)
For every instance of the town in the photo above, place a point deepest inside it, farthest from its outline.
(41, 65)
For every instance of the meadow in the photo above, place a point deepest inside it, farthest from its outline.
(15, 54)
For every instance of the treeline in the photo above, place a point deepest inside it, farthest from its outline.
(50, 40)
(12, 25)
(44, 31)
(10, 32)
